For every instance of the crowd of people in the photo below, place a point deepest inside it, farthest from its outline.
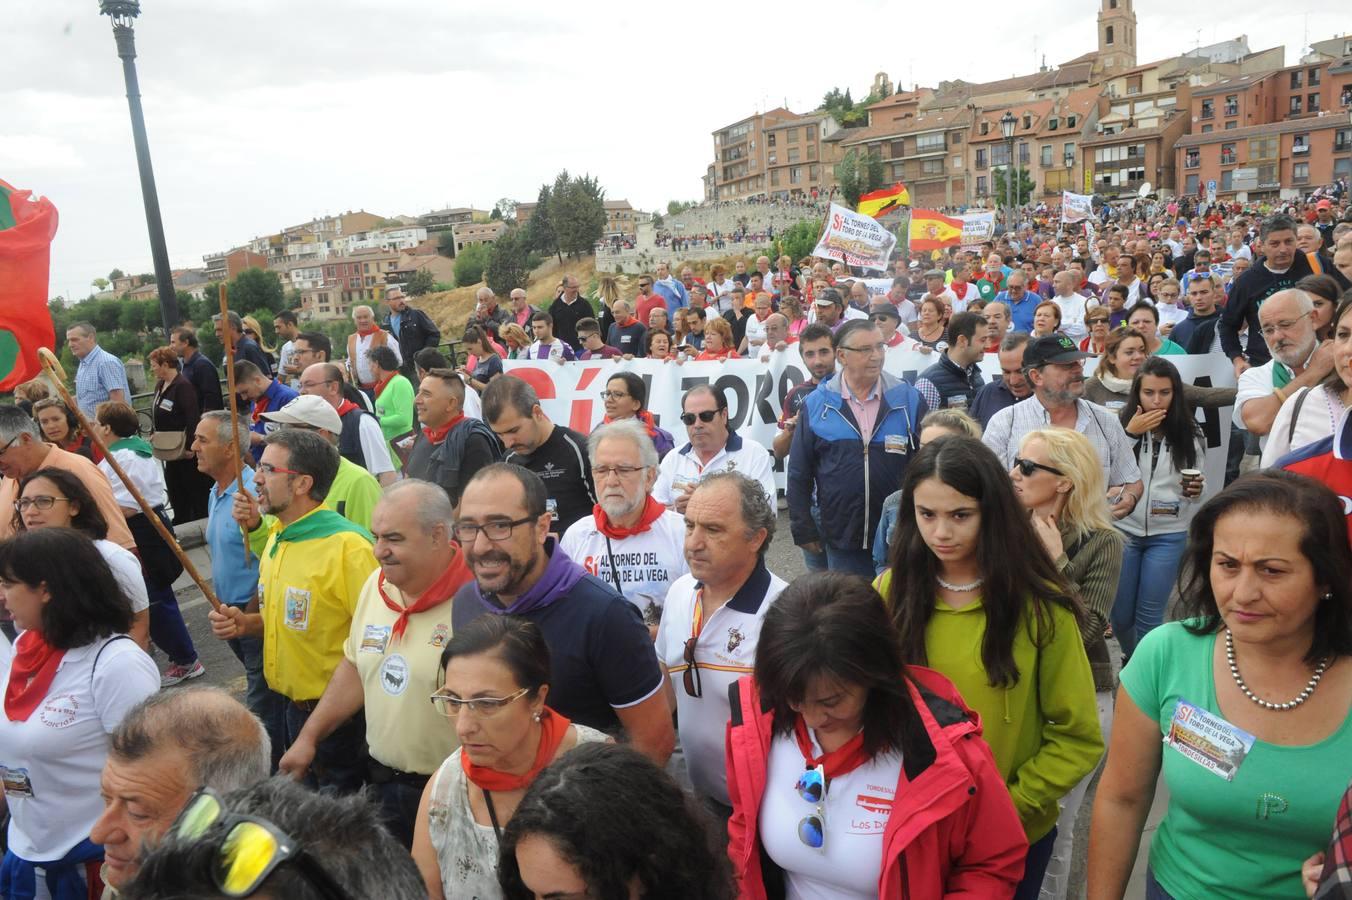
(488, 655)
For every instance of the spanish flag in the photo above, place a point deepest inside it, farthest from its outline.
(933, 231)
(879, 203)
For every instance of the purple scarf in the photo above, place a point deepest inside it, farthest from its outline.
(558, 578)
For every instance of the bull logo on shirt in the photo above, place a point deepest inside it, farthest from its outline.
(735, 638)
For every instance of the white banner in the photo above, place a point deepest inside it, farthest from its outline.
(570, 392)
(977, 228)
(1076, 207)
(877, 287)
(856, 240)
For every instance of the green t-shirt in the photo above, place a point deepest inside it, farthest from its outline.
(1169, 348)
(1242, 839)
(394, 410)
(354, 493)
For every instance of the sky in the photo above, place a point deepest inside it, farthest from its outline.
(265, 113)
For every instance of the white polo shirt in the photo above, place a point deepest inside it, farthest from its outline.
(646, 564)
(146, 474)
(52, 762)
(1255, 383)
(725, 651)
(738, 454)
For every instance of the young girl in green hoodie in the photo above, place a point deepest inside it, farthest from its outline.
(976, 597)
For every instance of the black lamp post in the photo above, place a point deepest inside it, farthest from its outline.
(1007, 123)
(123, 12)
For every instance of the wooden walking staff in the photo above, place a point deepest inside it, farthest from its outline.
(228, 338)
(53, 367)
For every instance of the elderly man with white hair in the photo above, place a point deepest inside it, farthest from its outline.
(630, 540)
(359, 343)
(1298, 360)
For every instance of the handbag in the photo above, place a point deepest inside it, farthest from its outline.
(169, 445)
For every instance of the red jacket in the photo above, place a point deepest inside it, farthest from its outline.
(953, 832)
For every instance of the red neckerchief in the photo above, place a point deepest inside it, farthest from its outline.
(380, 385)
(840, 761)
(346, 407)
(437, 435)
(30, 675)
(367, 332)
(441, 590)
(652, 511)
(260, 407)
(960, 284)
(553, 729)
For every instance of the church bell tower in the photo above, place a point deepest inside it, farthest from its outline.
(1116, 36)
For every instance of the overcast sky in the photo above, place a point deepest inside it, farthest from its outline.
(264, 113)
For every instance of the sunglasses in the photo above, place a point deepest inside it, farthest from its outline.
(811, 787)
(249, 849)
(690, 677)
(1028, 467)
(706, 417)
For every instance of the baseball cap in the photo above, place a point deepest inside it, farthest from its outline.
(914, 265)
(1054, 349)
(1324, 204)
(310, 410)
(828, 297)
(884, 309)
(935, 273)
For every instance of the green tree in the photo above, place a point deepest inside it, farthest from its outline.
(857, 173)
(1023, 186)
(255, 289)
(508, 263)
(679, 206)
(540, 233)
(843, 108)
(419, 283)
(495, 215)
(506, 209)
(446, 243)
(145, 278)
(799, 239)
(470, 264)
(100, 284)
(294, 298)
(579, 213)
(116, 274)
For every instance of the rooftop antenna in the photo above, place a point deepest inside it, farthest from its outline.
(1305, 38)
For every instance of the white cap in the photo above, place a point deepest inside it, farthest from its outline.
(307, 409)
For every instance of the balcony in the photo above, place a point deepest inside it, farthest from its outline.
(1208, 113)
(1300, 179)
(1229, 159)
(1232, 109)
(1299, 149)
(1191, 162)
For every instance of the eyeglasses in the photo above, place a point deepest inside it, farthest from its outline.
(872, 348)
(811, 787)
(270, 469)
(706, 417)
(41, 502)
(1027, 467)
(498, 530)
(613, 395)
(9, 443)
(484, 707)
(1269, 330)
(249, 850)
(601, 473)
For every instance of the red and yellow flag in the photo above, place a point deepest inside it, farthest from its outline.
(934, 231)
(27, 227)
(879, 203)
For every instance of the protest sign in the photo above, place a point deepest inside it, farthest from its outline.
(855, 240)
(977, 228)
(1076, 207)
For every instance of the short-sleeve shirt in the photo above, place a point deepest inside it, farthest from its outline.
(234, 578)
(353, 494)
(1244, 838)
(738, 454)
(601, 655)
(94, 482)
(561, 462)
(98, 374)
(403, 729)
(1007, 427)
(642, 566)
(52, 761)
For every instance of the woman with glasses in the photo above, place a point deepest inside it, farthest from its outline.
(625, 397)
(70, 678)
(976, 596)
(1096, 320)
(718, 341)
(60, 427)
(1059, 479)
(589, 827)
(1312, 414)
(496, 683)
(854, 775)
(54, 498)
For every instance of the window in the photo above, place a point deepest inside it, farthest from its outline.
(1192, 158)
(1300, 143)
(1190, 185)
(1053, 123)
(770, 139)
(774, 178)
(1263, 147)
(981, 157)
(928, 143)
(1312, 103)
(1208, 109)
(1045, 156)
(1027, 121)
(931, 167)
(796, 175)
(1023, 153)
(1314, 77)
(1000, 154)
(1231, 125)
(1070, 121)
(1108, 35)
(792, 134)
(955, 137)
(1068, 153)
(814, 172)
(1228, 154)
(1267, 175)
(1295, 105)
(1297, 79)
(812, 132)
(793, 154)
(985, 127)
(957, 163)
(1342, 140)
(1345, 95)
(773, 158)
(981, 185)
(898, 149)
(898, 171)
(1227, 179)
(1300, 172)
(1232, 104)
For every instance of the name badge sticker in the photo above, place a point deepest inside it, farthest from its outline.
(374, 639)
(1162, 509)
(896, 443)
(1208, 740)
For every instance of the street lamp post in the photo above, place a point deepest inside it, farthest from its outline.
(123, 12)
(1007, 122)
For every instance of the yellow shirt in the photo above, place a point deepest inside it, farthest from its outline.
(307, 593)
(403, 729)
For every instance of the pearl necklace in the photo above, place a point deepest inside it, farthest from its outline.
(960, 588)
(1244, 688)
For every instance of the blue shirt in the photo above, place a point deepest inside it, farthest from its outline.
(395, 320)
(1020, 311)
(278, 395)
(99, 373)
(233, 580)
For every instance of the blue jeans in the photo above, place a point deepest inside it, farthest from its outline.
(262, 700)
(1035, 866)
(1153, 891)
(850, 560)
(167, 628)
(340, 763)
(1149, 570)
(815, 560)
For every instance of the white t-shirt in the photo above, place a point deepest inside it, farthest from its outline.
(127, 572)
(952, 300)
(1073, 309)
(51, 763)
(755, 332)
(856, 808)
(1254, 384)
(365, 374)
(647, 564)
(284, 357)
(145, 473)
(374, 447)
(1319, 417)
(1170, 314)
(740, 454)
(725, 651)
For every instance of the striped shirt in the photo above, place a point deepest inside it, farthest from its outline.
(99, 374)
(1007, 428)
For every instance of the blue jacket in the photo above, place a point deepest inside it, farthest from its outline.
(674, 294)
(852, 478)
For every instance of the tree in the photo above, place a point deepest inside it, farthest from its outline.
(495, 215)
(857, 173)
(506, 209)
(1023, 186)
(255, 289)
(419, 283)
(100, 284)
(470, 264)
(675, 207)
(508, 263)
(843, 108)
(579, 213)
(799, 239)
(145, 278)
(446, 243)
(540, 234)
(116, 274)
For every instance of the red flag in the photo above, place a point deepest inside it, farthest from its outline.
(27, 227)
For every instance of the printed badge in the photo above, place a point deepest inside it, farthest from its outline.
(552, 507)
(167, 405)
(297, 615)
(896, 443)
(394, 675)
(374, 639)
(440, 635)
(59, 711)
(1163, 509)
(1208, 740)
(17, 783)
